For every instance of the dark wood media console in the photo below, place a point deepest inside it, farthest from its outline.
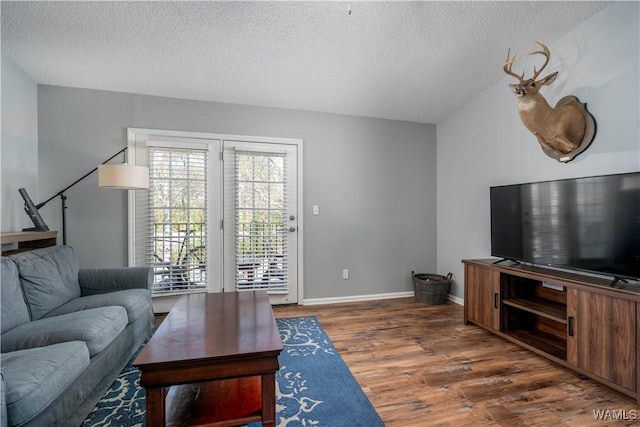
(574, 319)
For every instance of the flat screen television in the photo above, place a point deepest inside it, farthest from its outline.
(590, 224)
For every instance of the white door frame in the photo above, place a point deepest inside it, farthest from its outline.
(131, 139)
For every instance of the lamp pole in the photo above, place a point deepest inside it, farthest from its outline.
(63, 197)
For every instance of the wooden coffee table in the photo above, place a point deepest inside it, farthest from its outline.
(218, 353)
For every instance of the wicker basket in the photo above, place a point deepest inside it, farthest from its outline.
(431, 288)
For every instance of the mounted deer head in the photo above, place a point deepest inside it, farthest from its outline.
(563, 131)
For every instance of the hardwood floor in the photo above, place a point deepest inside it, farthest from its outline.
(420, 365)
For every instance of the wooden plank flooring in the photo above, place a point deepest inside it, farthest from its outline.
(421, 366)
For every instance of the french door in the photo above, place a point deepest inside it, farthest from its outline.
(210, 226)
(261, 219)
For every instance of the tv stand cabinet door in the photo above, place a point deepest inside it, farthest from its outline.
(482, 296)
(601, 336)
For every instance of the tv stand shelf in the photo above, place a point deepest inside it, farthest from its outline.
(548, 309)
(576, 320)
(547, 343)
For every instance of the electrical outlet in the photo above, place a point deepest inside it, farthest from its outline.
(345, 274)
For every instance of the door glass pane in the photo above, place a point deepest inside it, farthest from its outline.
(178, 209)
(261, 245)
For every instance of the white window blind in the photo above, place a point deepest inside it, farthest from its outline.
(261, 255)
(177, 243)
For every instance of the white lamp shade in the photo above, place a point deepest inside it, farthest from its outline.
(123, 176)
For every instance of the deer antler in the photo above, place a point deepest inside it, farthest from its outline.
(507, 66)
(547, 55)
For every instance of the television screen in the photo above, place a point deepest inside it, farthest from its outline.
(584, 223)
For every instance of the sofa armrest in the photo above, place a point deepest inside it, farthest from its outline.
(102, 280)
(3, 402)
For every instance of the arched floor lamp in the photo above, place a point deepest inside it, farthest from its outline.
(119, 176)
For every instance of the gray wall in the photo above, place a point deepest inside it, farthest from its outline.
(484, 143)
(18, 145)
(374, 180)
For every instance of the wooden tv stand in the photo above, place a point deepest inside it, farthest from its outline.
(576, 320)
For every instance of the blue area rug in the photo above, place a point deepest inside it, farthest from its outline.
(314, 386)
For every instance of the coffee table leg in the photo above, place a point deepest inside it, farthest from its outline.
(269, 400)
(155, 407)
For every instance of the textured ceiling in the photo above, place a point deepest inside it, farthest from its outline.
(415, 61)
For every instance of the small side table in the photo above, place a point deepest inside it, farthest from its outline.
(20, 241)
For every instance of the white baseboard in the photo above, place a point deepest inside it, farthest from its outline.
(372, 297)
(164, 304)
(456, 299)
(356, 298)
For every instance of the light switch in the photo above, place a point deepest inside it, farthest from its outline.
(316, 210)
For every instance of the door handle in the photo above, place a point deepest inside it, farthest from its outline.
(495, 300)
(570, 326)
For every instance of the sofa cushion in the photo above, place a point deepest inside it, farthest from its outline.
(49, 278)
(13, 308)
(36, 376)
(135, 301)
(97, 327)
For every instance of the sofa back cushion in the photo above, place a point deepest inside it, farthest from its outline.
(13, 307)
(49, 278)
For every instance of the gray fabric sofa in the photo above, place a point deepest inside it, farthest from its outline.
(66, 334)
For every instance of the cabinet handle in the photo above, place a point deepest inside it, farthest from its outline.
(495, 300)
(570, 326)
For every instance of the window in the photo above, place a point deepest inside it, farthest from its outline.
(177, 243)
